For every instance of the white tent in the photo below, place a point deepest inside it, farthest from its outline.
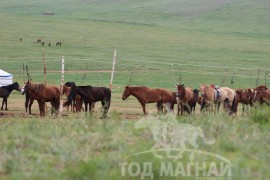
(5, 78)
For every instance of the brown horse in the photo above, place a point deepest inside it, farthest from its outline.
(185, 98)
(262, 96)
(211, 96)
(161, 108)
(261, 87)
(76, 103)
(245, 97)
(147, 95)
(43, 93)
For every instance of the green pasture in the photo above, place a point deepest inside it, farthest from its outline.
(161, 43)
(205, 41)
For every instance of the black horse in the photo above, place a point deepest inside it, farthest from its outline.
(5, 92)
(91, 94)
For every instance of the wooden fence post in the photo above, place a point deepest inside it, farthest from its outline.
(113, 66)
(62, 84)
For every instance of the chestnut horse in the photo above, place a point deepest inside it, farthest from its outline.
(185, 98)
(5, 92)
(262, 96)
(209, 94)
(43, 93)
(245, 97)
(147, 95)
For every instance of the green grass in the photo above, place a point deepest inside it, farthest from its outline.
(162, 43)
(80, 147)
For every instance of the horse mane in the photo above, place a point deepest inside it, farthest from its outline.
(69, 84)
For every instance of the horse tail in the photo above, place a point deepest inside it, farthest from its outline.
(234, 104)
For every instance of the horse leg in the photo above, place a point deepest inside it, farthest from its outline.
(218, 105)
(2, 104)
(26, 102)
(6, 103)
(90, 108)
(85, 104)
(182, 109)
(73, 105)
(159, 108)
(41, 105)
(30, 105)
(143, 106)
(243, 109)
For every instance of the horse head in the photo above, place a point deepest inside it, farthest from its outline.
(203, 88)
(25, 87)
(126, 93)
(16, 86)
(66, 90)
(180, 90)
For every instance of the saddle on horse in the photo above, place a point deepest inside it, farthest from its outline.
(217, 92)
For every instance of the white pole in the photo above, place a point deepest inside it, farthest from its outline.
(114, 59)
(62, 83)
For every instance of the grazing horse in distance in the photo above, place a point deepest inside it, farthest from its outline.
(5, 92)
(91, 94)
(42, 43)
(43, 93)
(210, 96)
(38, 40)
(185, 98)
(58, 44)
(147, 95)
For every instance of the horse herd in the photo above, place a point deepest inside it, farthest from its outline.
(209, 97)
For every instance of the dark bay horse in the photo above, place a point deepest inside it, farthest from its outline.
(91, 94)
(58, 44)
(5, 92)
(147, 95)
(76, 103)
(43, 93)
